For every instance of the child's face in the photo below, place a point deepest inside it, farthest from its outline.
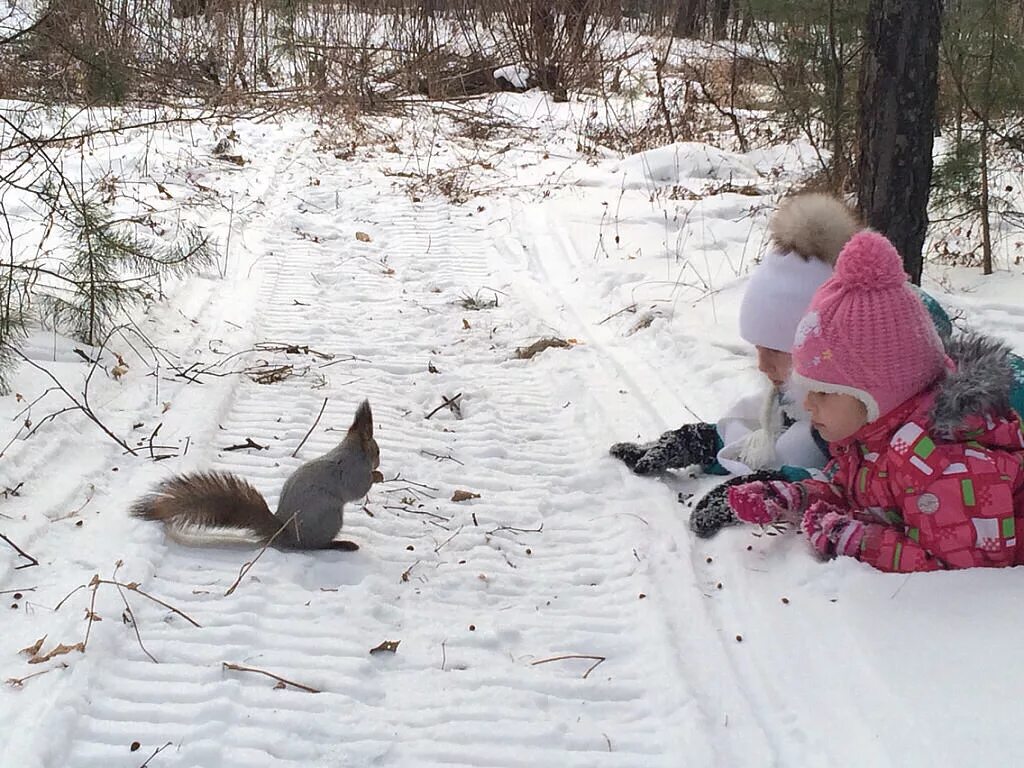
(774, 364)
(836, 417)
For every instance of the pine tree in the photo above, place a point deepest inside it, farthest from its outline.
(898, 91)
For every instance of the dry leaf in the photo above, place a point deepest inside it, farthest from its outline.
(118, 371)
(362, 237)
(465, 324)
(388, 646)
(464, 496)
(60, 650)
(33, 649)
(432, 368)
(526, 353)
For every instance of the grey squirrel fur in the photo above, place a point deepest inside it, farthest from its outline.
(309, 512)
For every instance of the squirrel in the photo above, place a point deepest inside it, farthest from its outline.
(309, 512)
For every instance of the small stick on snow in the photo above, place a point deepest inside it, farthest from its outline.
(630, 308)
(439, 457)
(133, 587)
(284, 681)
(448, 402)
(317, 421)
(399, 479)
(131, 616)
(513, 529)
(22, 553)
(597, 661)
(246, 567)
(156, 752)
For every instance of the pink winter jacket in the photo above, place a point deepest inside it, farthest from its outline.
(939, 481)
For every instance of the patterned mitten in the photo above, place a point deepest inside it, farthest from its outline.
(690, 444)
(762, 502)
(831, 531)
(713, 512)
(629, 453)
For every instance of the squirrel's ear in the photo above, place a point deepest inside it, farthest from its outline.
(363, 422)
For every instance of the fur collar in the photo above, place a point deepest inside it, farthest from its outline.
(979, 385)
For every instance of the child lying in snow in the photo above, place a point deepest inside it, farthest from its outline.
(928, 467)
(765, 434)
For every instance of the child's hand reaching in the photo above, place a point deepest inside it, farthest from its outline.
(831, 531)
(763, 502)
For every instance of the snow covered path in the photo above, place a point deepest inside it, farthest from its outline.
(566, 617)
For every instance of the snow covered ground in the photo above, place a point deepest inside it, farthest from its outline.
(566, 617)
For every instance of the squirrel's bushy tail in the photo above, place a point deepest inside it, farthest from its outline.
(209, 500)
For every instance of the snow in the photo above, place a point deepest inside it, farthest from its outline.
(516, 74)
(742, 650)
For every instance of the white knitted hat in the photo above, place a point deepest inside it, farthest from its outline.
(777, 296)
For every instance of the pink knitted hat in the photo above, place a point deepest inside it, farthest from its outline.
(867, 334)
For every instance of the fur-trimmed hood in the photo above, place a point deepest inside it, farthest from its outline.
(980, 384)
(813, 225)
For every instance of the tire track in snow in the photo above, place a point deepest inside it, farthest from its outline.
(541, 565)
(705, 655)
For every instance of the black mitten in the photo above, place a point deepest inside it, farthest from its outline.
(630, 453)
(690, 444)
(713, 512)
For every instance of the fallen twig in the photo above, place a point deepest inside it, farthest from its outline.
(439, 457)
(249, 443)
(450, 403)
(18, 682)
(82, 406)
(596, 659)
(317, 421)
(130, 616)
(21, 553)
(630, 308)
(513, 529)
(246, 567)
(282, 680)
(156, 752)
(134, 587)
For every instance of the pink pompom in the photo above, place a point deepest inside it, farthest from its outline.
(869, 261)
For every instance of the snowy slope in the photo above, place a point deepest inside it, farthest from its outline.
(739, 651)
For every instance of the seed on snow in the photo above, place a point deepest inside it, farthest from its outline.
(739, 638)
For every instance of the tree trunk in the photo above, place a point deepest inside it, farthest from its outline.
(898, 91)
(687, 19)
(721, 19)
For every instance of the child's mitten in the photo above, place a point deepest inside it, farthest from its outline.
(831, 531)
(628, 453)
(712, 513)
(765, 502)
(690, 444)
